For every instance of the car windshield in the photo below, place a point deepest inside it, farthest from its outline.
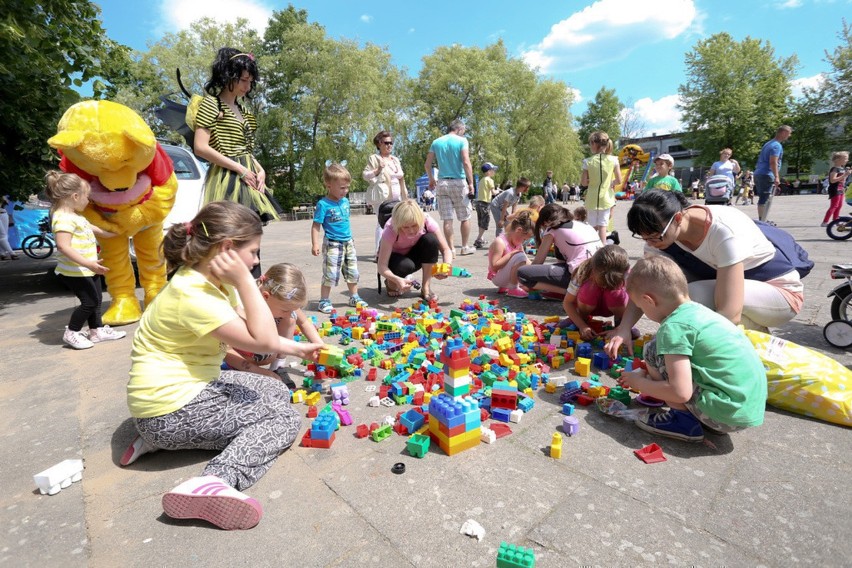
(185, 166)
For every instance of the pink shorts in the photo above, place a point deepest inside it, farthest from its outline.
(591, 294)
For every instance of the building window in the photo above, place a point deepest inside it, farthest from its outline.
(676, 148)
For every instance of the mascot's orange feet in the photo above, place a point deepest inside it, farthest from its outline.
(122, 311)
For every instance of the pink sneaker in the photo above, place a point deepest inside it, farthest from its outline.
(138, 447)
(211, 499)
(502, 290)
(517, 293)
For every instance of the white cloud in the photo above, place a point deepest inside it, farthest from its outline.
(661, 116)
(179, 14)
(813, 82)
(578, 96)
(588, 38)
(366, 18)
(790, 4)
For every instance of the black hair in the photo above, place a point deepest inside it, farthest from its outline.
(228, 68)
(653, 209)
(551, 215)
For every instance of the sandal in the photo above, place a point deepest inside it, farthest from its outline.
(431, 296)
(392, 292)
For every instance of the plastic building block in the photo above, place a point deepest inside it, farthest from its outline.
(584, 400)
(54, 479)
(362, 431)
(516, 416)
(418, 445)
(512, 556)
(582, 366)
(487, 435)
(556, 446)
(571, 425)
(313, 412)
(652, 453)
(500, 430)
(412, 420)
(381, 433)
(501, 414)
(620, 394)
(567, 409)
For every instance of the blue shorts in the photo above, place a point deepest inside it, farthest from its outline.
(764, 185)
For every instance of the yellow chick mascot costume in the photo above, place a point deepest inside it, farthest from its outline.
(133, 189)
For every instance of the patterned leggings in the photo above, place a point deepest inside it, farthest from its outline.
(246, 416)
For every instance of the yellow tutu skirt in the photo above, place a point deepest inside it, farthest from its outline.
(222, 184)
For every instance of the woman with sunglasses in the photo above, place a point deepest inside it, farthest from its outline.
(387, 184)
(729, 263)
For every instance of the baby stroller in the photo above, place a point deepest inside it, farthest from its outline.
(427, 200)
(718, 190)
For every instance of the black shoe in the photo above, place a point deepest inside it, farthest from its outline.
(285, 378)
(613, 236)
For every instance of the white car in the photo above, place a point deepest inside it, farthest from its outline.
(190, 175)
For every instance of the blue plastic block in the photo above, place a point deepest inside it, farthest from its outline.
(525, 403)
(568, 409)
(412, 420)
(501, 414)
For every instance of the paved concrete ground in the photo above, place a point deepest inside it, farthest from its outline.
(771, 496)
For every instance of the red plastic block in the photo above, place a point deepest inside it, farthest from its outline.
(371, 374)
(584, 400)
(313, 411)
(500, 430)
(362, 431)
(652, 453)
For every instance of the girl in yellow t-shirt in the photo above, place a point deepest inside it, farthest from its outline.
(77, 262)
(178, 395)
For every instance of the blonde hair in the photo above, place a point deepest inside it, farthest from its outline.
(61, 186)
(522, 220)
(187, 244)
(601, 141)
(658, 274)
(609, 265)
(536, 202)
(838, 155)
(286, 282)
(335, 172)
(407, 212)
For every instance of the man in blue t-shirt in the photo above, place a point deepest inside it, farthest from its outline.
(454, 189)
(767, 172)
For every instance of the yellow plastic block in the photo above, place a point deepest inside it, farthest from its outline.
(313, 399)
(596, 392)
(551, 319)
(582, 366)
(556, 361)
(298, 396)
(550, 387)
(357, 333)
(556, 446)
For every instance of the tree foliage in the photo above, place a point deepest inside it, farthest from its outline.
(809, 141)
(838, 84)
(603, 114)
(47, 47)
(735, 95)
(514, 118)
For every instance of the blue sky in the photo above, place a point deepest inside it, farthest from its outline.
(635, 47)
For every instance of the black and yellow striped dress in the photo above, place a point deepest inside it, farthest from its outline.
(233, 139)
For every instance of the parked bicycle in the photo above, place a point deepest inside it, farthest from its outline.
(840, 229)
(838, 331)
(39, 246)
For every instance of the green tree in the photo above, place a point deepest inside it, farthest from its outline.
(838, 84)
(47, 47)
(514, 118)
(735, 95)
(326, 100)
(809, 141)
(604, 114)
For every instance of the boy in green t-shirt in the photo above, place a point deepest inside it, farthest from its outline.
(700, 364)
(484, 194)
(662, 180)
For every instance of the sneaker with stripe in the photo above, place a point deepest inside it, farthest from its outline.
(211, 499)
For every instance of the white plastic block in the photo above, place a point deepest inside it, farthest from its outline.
(52, 480)
(389, 420)
(516, 415)
(374, 401)
(370, 388)
(487, 435)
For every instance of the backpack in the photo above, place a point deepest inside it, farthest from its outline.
(788, 255)
(718, 185)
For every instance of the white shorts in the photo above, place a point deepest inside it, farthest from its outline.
(598, 217)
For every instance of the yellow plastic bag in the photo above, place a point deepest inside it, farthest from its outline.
(804, 381)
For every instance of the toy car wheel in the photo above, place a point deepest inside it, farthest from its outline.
(838, 333)
(840, 229)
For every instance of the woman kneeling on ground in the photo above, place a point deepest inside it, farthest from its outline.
(752, 286)
(411, 241)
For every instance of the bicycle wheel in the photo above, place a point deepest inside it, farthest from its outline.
(840, 229)
(37, 246)
(838, 333)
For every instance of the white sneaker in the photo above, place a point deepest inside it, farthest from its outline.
(105, 333)
(823, 225)
(467, 250)
(213, 500)
(76, 339)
